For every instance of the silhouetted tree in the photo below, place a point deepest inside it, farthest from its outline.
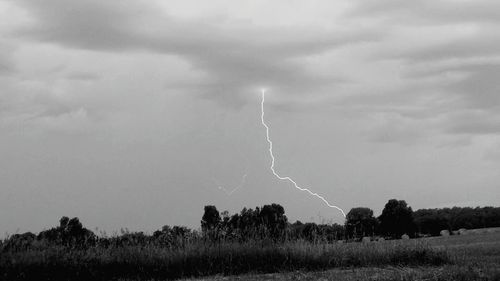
(310, 231)
(273, 219)
(432, 221)
(361, 222)
(397, 219)
(210, 219)
(63, 222)
(19, 242)
(70, 232)
(313, 232)
(249, 224)
(210, 222)
(338, 231)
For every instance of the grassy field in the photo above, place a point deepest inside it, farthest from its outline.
(42, 262)
(467, 257)
(472, 257)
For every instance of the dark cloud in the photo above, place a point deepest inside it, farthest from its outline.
(236, 58)
(482, 43)
(480, 89)
(476, 85)
(94, 25)
(429, 11)
(454, 65)
(474, 122)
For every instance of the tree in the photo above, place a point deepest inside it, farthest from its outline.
(70, 232)
(361, 222)
(211, 218)
(274, 219)
(397, 219)
(63, 222)
(430, 221)
(18, 242)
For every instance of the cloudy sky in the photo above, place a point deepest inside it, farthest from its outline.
(134, 114)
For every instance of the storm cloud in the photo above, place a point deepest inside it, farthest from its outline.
(137, 107)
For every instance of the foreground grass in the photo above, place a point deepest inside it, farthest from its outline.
(199, 259)
(442, 273)
(472, 258)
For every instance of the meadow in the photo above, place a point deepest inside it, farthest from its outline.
(199, 258)
(461, 257)
(253, 245)
(470, 257)
(458, 257)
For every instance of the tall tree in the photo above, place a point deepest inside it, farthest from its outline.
(361, 222)
(274, 220)
(211, 218)
(397, 219)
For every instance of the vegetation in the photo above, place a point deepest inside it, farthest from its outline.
(139, 260)
(361, 222)
(473, 258)
(432, 221)
(254, 240)
(396, 219)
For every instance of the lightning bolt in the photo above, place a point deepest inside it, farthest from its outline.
(272, 161)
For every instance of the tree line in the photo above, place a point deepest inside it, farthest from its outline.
(266, 222)
(269, 222)
(432, 221)
(396, 220)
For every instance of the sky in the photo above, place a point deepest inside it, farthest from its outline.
(137, 114)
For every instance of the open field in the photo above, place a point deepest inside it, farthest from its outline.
(472, 257)
(467, 257)
(206, 259)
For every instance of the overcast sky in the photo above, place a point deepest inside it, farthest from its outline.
(132, 114)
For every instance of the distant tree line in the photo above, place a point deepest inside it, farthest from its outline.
(268, 222)
(432, 221)
(398, 218)
(69, 233)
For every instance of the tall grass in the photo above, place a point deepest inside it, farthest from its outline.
(199, 258)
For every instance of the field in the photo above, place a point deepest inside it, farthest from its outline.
(472, 257)
(459, 257)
